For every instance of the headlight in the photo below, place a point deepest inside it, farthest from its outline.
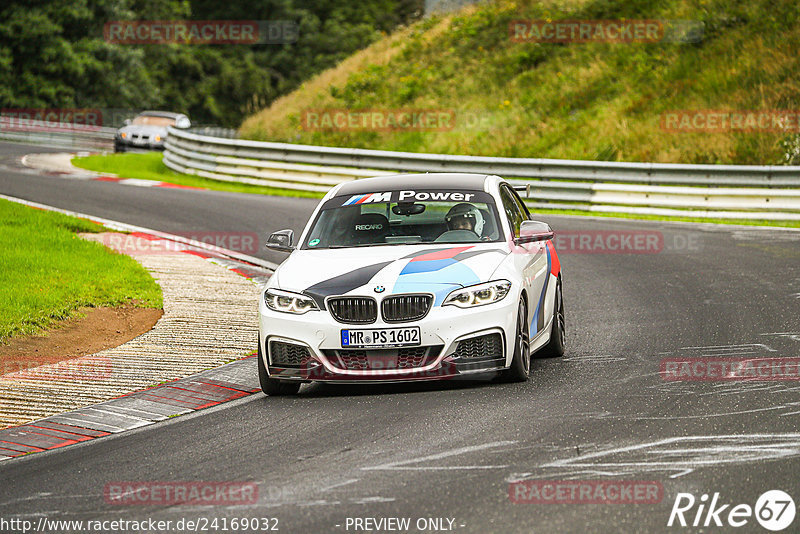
(478, 295)
(284, 301)
(158, 138)
(123, 135)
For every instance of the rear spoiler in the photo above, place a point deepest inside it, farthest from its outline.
(526, 188)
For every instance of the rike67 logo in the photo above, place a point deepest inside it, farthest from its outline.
(774, 510)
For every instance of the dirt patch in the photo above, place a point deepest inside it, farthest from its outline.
(100, 329)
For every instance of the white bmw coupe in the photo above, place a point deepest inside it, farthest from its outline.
(411, 277)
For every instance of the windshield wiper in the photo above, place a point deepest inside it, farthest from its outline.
(364, 245)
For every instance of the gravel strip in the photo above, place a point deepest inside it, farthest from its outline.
(210, 317)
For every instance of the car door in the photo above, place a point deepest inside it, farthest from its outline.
(530, 259)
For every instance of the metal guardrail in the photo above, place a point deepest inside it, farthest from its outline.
(214, 131)
(57, 135)
(721, 191)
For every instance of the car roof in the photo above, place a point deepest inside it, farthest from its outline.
(414, 181)
(165, 114)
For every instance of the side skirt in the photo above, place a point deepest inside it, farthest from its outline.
(542, 337)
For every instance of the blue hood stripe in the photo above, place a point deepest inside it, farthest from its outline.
(420, 276)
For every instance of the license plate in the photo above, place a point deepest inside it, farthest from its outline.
(380, 337)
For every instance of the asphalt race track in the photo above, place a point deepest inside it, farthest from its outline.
(450, 450)
(176, 211)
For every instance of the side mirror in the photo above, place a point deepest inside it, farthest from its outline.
(126, 122)
(183, 123)
(532, 231)
(281, 241)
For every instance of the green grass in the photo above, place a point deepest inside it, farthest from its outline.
(48, 272)
(148, 166)
(586, 101)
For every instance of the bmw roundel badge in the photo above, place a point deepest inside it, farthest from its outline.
(379, 289)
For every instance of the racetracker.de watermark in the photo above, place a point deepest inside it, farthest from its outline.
(200, 32)
(430, 120)
(51, 119)
(625, 242)
(716, 121)
(727, 369)
(135, 243)
(148, 524)
(585, 492)
(74, 120)
(79, 369)
(605, 31)
(374, 368)
(171, 493)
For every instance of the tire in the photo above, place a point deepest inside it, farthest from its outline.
(119, 147)
(521, 362)
(271, 386)
(557, 344)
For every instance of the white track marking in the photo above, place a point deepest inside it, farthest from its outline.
(658, 456)
(781, 334)
(320, 502)
(139, 182)
(588, 358)
(370, 500)
(745, 346)
(340, 484)
(403, 465)
(705, 416)
(684, 472)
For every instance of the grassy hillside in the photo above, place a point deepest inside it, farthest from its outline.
(577, 101)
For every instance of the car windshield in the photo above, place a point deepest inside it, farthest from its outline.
(150, 120)
(464, 217)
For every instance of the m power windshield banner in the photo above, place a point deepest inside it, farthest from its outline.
(409, 195)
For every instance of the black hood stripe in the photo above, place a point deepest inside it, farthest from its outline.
(344, 283)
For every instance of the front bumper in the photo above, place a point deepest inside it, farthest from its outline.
(140, 144)
(443, 330)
